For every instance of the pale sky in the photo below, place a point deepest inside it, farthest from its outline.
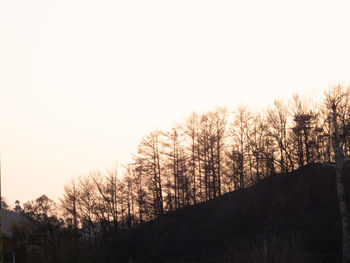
(82, 81)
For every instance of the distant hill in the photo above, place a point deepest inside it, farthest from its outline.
(293, 213)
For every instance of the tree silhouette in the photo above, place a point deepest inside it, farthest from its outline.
(333, 99)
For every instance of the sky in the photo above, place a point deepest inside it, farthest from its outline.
(81, 81)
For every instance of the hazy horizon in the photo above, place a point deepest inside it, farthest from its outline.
(81, 82)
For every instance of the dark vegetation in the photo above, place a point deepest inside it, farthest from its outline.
(221, 187)
(287, 208)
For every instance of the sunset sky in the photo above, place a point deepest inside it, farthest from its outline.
(81, 82)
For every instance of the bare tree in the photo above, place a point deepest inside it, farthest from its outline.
(141, 195)
(278, 124)
(191, 130)
(239, 135)
(207, 155)
(149, 150)
(220, 120)
(172, 151)
(129, 196)
(333, 99)
(69, 202)
(85, 207)
(257, 136)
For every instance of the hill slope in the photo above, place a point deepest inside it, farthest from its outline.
(298, 209)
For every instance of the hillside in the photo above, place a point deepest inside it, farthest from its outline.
(297, 210)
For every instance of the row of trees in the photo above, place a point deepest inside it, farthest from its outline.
(208, 155)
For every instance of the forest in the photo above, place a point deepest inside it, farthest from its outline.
(201, 159)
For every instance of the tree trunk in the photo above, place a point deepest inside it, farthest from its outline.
(339, 161)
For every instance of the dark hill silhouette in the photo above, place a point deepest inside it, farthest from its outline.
(296, 210)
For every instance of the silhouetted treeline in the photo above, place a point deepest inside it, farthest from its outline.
(205, 156)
